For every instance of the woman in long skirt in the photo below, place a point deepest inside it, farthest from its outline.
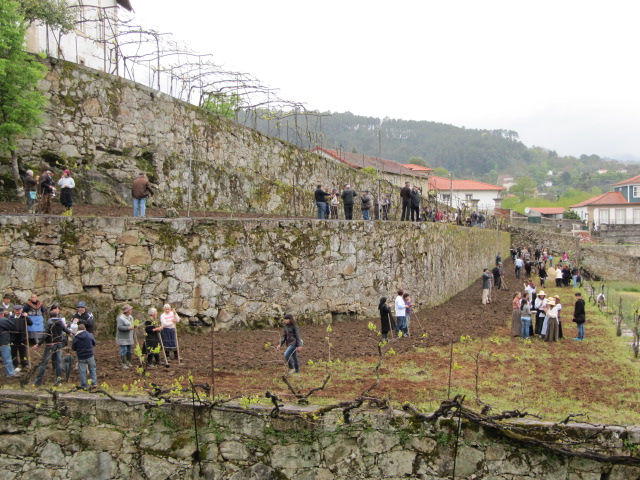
(386, 320)
(516, 325)
(168, 322)
(541, 311)
(552, 332)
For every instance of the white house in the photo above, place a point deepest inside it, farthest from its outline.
(89, 44)
(620, 207)
(468, 192)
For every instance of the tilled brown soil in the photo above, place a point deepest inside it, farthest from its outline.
(248, 361)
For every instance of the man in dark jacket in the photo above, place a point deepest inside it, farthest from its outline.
(405, 195)
(83, 344)
(7, 326)
(415, 204)
(366, 202)
(84, 317)
(321, 202)
(348, 199)
(47, 190)
(55, 339)
(579, 316)
(19, 339)
(140, 190)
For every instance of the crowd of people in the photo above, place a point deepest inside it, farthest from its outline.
(533, 313)
(378, 207)
(26, 328)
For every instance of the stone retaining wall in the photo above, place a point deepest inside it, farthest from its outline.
(107, 129)
(79, 436)
(239, 273)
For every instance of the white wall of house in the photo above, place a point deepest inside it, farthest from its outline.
(485, 198)
(85, 45)
(622, 215)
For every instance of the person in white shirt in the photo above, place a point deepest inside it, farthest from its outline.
(66, 184)
(401, 311)
(519, 263)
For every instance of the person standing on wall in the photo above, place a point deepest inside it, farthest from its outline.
(47, 190)
(348, 199)
(321, 202)
(405, 196)
(66, 184)
(30, 190)
(140, 190)
(366, 203)
(291, 337)
(579, 316)
(333, 204)
(415, 204)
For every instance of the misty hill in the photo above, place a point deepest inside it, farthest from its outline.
(468, 153)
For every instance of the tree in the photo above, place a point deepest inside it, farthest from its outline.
(55, 13)
(418, 161)
(524, 187)
(21, 103)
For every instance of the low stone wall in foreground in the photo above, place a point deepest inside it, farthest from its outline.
(79, 436)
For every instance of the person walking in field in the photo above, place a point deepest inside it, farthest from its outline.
(486, 286)
(291, 338)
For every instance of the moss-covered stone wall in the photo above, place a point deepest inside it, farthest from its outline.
(240, 273)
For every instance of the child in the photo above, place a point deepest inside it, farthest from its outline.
(291, 336)
(407, 317)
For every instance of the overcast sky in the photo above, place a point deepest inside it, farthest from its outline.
(564, 74)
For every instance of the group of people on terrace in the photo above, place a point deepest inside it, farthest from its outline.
(378, 207)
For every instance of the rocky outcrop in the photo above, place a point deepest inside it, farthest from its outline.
(239, 273)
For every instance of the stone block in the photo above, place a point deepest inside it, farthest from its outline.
(96, 438)
(101, 465)
(17, 444)
(136, 255)
(52, 454)
(157, 468)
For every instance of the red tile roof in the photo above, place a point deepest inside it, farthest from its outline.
(549, 210)
(359, 160)
(440, 183)
(418, 168)
(609, 198)
(635, 179)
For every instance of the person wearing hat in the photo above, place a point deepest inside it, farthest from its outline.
(125, 335)
(6, 302)
(140, 190)
(48, 190)
(54, 340)
(19, 339)
(559, 308)
(348, 199)
(291, 337)
(366, 202)
(84, 317)
(579, 316)
(540, 307)
(552, 332)
(66, 184)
